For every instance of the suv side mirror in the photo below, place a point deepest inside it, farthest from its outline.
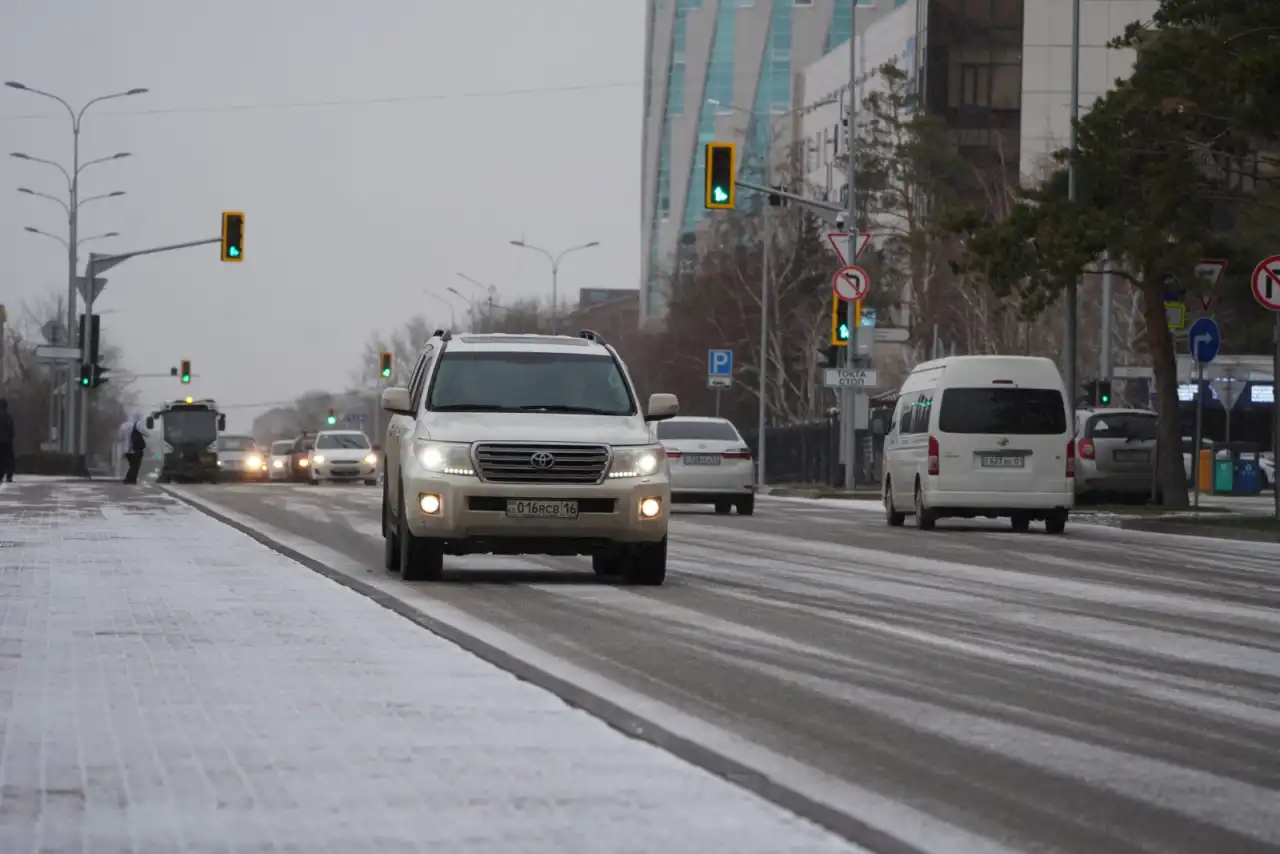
(151, 423)
(662, 407)
(396, 400)
(222, 422)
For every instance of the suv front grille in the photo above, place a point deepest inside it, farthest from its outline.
(527, 463)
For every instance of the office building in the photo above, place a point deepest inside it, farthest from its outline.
(718, 70)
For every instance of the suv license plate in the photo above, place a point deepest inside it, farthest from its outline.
(1004, 462)
(526, 509)
(702, 459)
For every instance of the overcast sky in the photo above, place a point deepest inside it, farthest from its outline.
(351, 209)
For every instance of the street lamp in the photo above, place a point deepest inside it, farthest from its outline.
(63, 240)
(28, 192)
(453, 310)
(555, 272)
(73, 188)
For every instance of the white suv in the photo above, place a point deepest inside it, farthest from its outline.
(524, 444)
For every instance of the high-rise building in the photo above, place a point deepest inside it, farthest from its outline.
(719, 70)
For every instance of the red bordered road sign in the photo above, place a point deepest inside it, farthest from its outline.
(851, 284)
(1266, 283)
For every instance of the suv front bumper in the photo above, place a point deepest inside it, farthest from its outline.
(472, 514)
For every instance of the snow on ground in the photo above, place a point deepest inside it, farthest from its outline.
(168, 684)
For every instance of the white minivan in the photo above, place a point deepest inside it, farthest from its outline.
(986, 436)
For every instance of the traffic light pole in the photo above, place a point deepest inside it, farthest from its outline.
(850, 398)
(100, 264)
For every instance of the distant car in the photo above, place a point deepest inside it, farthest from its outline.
(1115, 453)
(344, 455)
(710, 463)
(278, 460)
(300, 458)
(240, 458)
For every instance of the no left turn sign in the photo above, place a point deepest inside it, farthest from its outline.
(1266, 283)
(851, 284)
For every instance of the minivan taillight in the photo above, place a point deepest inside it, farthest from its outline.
(933, 456)
(1086, 449)
(1071, 456)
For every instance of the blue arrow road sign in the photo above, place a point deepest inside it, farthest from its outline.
(1205, 339)
(719, 363)
(355, 417)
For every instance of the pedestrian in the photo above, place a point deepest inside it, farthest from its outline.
(137, 444)
(7, 460)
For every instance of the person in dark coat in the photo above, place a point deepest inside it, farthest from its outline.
(137, 445)
(6, 442)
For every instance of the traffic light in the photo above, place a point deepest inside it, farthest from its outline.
(333, 417)
(97, 376)
(86, 375)
(840, 320)
(384, 365)
(721, 166)
(232, 236)
(1104, 392)
(185, 371)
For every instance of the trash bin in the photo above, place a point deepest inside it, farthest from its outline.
(1236, 468)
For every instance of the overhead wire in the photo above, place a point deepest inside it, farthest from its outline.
(341, 102)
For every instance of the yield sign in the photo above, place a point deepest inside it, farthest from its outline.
(839, 242)
(1209, 273)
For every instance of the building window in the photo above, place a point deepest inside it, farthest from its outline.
(841, 29)
(779, 58)
(675, 90)
(1006, 87)
(804, 2)
(975, 86)
(663, 208)
(720, 68)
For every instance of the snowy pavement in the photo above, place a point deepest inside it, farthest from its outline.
(169, 685)
(966, 690)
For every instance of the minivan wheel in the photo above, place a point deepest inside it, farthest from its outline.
(746, 506)
(1056, 523)
(1021, 521)
(925, 518)
(891, 514)
(723, 507)
(421, 558)
(646, 564)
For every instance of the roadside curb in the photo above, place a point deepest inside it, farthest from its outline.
(1220, 532)
(614, 715)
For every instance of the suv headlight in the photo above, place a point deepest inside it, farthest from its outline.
(444, 457)
(638, 461)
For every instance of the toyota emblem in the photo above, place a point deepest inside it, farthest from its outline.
(542, 460)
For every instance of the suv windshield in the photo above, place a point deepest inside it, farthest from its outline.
(713, 430)
(342, 441)
(1012, 411)
(1135, 426)
(529, 380)
(236, 443)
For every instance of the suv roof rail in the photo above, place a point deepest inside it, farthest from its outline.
(443, 334)
(592, 336)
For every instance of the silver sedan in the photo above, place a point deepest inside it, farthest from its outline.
(710, 463)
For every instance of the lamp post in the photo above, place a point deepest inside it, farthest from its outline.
(490, 291)
(453, 310)
(555, 272)
(73, 210)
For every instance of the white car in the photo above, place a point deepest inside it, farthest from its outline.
(344, 455)
(278, 459)
(1267, 462)
(987, 436)
(524, 444)
(710, 464)
(240, 458)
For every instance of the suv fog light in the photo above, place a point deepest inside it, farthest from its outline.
(650, 508)
(430, 504)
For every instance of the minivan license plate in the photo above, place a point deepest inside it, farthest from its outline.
(527, 509)
(994, 462)
(702, 459)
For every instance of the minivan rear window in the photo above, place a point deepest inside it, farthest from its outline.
(1012, 411)
(1138, 426)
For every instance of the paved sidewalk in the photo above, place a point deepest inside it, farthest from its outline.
(169, 685)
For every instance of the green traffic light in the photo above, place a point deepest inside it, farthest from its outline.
(843, 332)
(332, 420)
(233, 251)
(386, 372)
(719, 195)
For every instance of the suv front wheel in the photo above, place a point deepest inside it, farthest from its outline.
(421, 558)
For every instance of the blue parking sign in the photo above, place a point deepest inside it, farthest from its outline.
(719, 363)
(355, 417)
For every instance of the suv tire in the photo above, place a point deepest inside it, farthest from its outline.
(610, 564)
(421, 558)
(747, 506)
(646, 564)
(390, 544)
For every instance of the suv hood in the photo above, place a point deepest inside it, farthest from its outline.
(541, 427)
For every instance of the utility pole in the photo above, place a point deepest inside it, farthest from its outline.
(765, 239)
(1073, 296)
(851, 398)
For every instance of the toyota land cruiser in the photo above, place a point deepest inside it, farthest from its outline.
(524, 444)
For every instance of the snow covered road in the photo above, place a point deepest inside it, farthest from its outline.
(965, 690)
(169, 685)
